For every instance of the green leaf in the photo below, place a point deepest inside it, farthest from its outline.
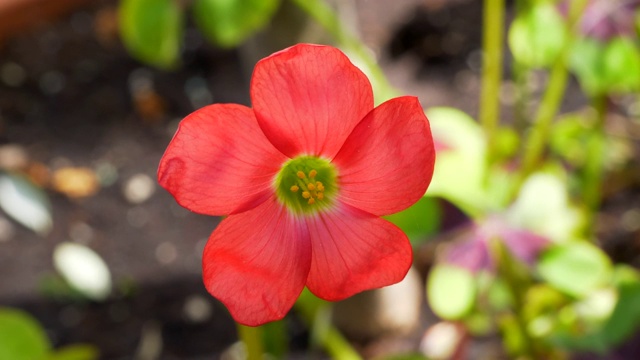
(623, 322)
(460, 169)
(275, 339)
(612, 67)
(621, 65)
(537, 35)
(228, 23)
(21, 336)
(75, 352)
(152, 30)
(570, 137)
(575, 268)
(626, 315)
(543, 207)
(420, 220)
(451, 291)
(574, 133)
(586, 62)
(624, 274)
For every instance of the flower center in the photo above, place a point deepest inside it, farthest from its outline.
(306, 184)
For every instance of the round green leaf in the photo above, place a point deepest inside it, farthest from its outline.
(575, 268)
(623, 322)
(586, 62)
(621, 65)
(570, 137)
(229, 22)
(625, 319)
(461, 167)
(75, 352)
(451, 291)
(625, 274)
(612, 67)
(21, 336)
(550, 215)
(536, 36)
(152, 30)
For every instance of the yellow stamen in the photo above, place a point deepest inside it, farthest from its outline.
(300, 174)
(294, 188)
(306, 194)
(311, 201)
(320, 196)
(311, 187)
(319, 186)
(313, 173)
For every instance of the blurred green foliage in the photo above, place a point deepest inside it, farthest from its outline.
(227, 23)
(152, 30)
(23, 338)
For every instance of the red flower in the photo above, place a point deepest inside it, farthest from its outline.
(304, 176)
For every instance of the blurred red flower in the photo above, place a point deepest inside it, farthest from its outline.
(304, 177)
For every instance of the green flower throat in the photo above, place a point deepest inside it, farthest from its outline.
(306, 184)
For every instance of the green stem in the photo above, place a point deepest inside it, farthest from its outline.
(327, 18)
(492, 50)
(337, 346)
(252, 339)
(520, 73)
(593, 174)
(548, 108)
(517, 284)
(523, 95)
(316, 314)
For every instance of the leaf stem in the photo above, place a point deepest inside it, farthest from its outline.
(316, 314)
(252, 339)
(492, 51)
(551, 100)
(593, 172)
(517, 283)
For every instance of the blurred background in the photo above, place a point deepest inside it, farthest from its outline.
(98, 254)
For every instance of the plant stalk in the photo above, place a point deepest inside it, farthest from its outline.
(517, 284)
(551, 100)
(492, 50)
(316, 313)
(252, 339)
(594, 168)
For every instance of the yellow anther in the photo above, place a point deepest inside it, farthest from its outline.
(306, 194)
(313, 173)
(319, 186)
(311, 187)
(300, 174)
(320, 196)
(294, 188)
(311, 201)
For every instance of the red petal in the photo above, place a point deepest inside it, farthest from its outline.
(387, 162)
(353, 251)
(219, 162)
(256, 263)
(308, 98)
